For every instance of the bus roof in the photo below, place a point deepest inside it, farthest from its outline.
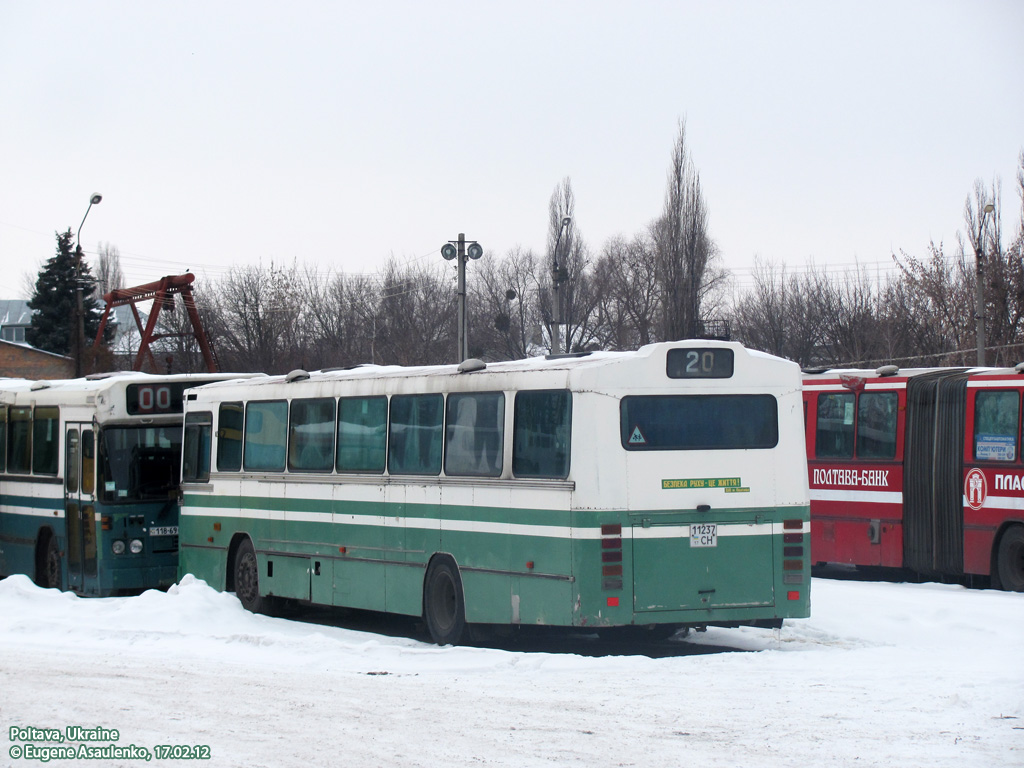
(551, 371)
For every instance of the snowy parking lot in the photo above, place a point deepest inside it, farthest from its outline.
(880, 675)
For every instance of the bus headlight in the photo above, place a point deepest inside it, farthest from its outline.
(135, 546)
(118, 547)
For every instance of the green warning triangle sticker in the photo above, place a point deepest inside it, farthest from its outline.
(637, 437)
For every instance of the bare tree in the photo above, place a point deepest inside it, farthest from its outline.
(684, 247)
(568, 300)
(504, 312)
(415, 318)
(782, 314)
(108, 271)
(1001, 271)
(339, 313)
(939, 299)
(630, 294)
(257, 319)
(851, 320)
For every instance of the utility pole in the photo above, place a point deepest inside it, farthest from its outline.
(79, 302)
(558, 276)
(457, 249)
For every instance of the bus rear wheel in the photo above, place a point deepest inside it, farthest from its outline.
(247, 578)
(444, 605)
(1010, 559)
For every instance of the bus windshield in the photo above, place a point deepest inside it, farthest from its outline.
(139, 463)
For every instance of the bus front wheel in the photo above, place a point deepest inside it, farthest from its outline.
(48, 564)
(1010, 559)
(247, 578)
(444, 605)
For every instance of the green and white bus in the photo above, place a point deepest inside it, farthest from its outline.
(89, 472)
(662, 488)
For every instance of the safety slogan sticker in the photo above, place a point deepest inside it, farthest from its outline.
(727, 484)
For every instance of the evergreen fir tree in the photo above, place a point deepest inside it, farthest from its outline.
(55, 319)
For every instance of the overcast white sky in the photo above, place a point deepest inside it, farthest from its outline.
(340, 133)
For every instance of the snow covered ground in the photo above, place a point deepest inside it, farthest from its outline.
(881, 675)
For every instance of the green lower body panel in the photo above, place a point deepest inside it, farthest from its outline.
(555, 567)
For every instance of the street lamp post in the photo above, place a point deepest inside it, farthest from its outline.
(979, 285)
(451, 250)
(558, 276)
(79, 302)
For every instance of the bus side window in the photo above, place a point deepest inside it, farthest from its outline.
(834, 433)
(45, 440)
(996, 417)
(362, 434)
(415, 435)
(266, 434)
(311, 435)
(73, 462)
(88, 462)
(19, 436)
(541, 435)
(195, 465)
(229, 437)
(3, 438)
(474, 434)
(876, 425)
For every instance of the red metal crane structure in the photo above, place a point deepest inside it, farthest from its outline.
(161, 292)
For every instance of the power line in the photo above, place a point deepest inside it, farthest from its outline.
(971, 352)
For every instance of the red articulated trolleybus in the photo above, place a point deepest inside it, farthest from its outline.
(918, 469)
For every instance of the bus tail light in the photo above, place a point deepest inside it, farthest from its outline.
(611, 552)
(613, 602)
(793, 594)
(792, 525)
(105, 523)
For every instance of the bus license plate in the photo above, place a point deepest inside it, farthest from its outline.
(704, 535)
(166, 530)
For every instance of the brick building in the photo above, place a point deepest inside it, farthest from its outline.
(24, 362)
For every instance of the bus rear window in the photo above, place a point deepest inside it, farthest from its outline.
(699, 422)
